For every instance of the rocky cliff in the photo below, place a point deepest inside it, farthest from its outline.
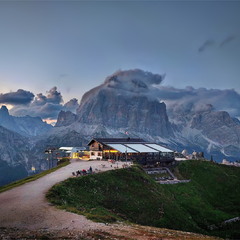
(134, 113)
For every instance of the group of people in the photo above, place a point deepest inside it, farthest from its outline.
(82, 172)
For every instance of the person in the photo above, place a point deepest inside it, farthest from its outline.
(90, 169)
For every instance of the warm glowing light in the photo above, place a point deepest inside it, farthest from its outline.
(75, 155)
(50, 121)
(110, 151)
(9, 107)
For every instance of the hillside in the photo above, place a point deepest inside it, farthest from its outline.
(210, 198)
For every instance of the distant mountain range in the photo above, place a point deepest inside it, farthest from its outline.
(26, 126)
(127, 104)
(17, 136)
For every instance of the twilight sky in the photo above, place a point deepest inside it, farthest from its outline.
(75, 45)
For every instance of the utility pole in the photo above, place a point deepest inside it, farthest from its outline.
(126, 154)
(48, 157)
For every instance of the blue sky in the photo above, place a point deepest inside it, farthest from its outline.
(75, 45)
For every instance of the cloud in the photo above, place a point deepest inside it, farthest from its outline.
(135, 80)
(45, 106)
(71, 105)
(53, 96)
(227, 40)
(201, 99)
(17, 98)
(207, 44)
(211, 43)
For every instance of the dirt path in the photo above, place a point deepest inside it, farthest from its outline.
(24, 211)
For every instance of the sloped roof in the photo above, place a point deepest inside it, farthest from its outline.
(141, 148)
(131, 145)
(122, 148)
(158, 147)
(117, 140)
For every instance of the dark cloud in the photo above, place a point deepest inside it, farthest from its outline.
(211, 43)
(53, 96)
(207, 44)
(17, 98)
(227, 40)
(45, 106)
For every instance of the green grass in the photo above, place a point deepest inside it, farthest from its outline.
(211, 197)
(9, 186)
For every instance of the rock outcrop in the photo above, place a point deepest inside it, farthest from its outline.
(65, 119)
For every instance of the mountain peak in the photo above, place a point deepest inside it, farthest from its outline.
(65, 118)
(4, 111)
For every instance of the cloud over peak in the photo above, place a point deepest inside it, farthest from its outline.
(134, 80)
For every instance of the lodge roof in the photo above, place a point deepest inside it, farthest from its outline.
(134, 145)
(117, 140)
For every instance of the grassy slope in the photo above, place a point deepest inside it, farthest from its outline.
(129, 194)
(9, 186)
(212, 196)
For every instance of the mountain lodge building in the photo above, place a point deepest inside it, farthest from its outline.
(130, 149)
